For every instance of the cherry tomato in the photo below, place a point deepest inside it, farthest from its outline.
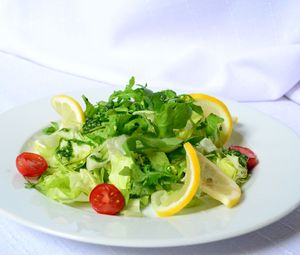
(252, 159)
(30, 164)
(107, 199)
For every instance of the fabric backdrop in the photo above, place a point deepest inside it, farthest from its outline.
(245, 50)
(29, 82)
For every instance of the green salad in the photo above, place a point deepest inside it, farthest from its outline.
(133, 142)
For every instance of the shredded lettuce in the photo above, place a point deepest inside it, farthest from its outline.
(232, 163)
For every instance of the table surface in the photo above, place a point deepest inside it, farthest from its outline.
(22, 81)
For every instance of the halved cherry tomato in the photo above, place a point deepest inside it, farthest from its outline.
(107, 199)
(252, 159)
(30, 164)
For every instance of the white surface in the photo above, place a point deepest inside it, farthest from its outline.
(234, 48)
(280, 238)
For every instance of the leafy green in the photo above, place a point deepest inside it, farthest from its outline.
(150, 143)
(51, 129)
(89, 108)
(158, 99)
(139, 111)
(133, 208)
(213, 124)
(72, 150)
(159, 160)
(67, 187)
(232, 163)
(171, 116)
(243, 159)
(65, 150)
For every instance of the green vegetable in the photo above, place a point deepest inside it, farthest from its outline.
(179, 113)
(148, 143)
(213, 125)
(67, 187)
(231, 167)
(65, 150)
(158, 160)
(51, 129)
(232, 163)
(119, 161)
(133, 208)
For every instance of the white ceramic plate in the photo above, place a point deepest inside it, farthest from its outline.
(271, 193)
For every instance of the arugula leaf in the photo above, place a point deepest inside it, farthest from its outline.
(51, 129)
(213, 125)
(131, 83)
(150, 143)
(89, 108)
(135, 124)
(145, 179)
(197, 108)
(129, 97)
(158, 99)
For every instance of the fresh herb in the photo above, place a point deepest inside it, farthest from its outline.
(51, 129)
(243, 159)
(65, 150)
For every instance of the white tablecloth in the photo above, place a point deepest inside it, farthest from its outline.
(233, 48)
(21, 81)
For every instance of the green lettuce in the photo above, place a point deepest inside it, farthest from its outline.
(67, 187)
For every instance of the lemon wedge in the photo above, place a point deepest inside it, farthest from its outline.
(211, 104)
(169, 203)
(69, 109)
(217, 184)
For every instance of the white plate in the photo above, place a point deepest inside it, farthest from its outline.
(271, 193)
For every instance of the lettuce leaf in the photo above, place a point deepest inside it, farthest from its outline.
(172, 115)
(67, 187)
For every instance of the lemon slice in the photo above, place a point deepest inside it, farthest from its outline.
(169, 203)
(211, 104)
(217, 184)
(69, 109)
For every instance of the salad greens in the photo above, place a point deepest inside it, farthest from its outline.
(134, 141)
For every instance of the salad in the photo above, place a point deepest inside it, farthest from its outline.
(139, 149)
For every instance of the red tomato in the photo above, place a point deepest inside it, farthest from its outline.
(31, 164)
(252, 159)
(107, 199)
